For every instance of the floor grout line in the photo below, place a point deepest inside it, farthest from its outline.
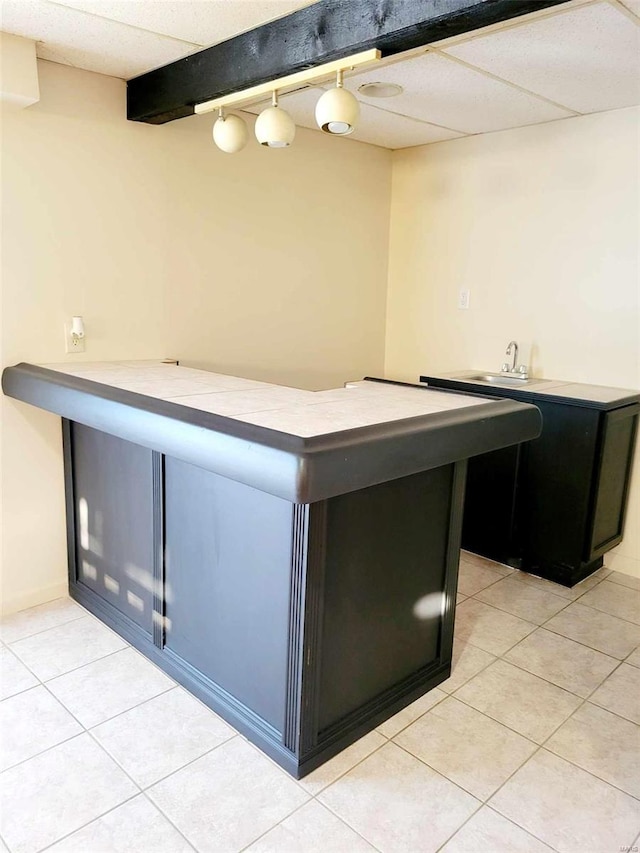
(88, 823)
(10, 643)
(144, 791)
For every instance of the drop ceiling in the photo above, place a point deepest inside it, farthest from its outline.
(581, 57)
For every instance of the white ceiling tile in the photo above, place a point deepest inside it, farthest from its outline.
(587, 59)
(202, 22)
(380, 127)
(376, 126)
(446, 93)
(86, 41)
(632, 6)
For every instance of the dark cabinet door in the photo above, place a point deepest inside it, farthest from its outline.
(114, 530)
(614, 462)
(227, 585)
(557, 479)
(490, 523)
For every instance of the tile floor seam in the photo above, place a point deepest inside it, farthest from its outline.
(559, 686)
(75, 668)
(499, 656)
(453, 834)
(586, 645)
(344, 819)
(543, 589)
(297, 809)
(348, 770)
(133, 707)
(615, 713)
(590, 772)
(169, 820)
(489, 717)
(481, 803)
(43, 751)
(99, 745)
(26, 667)
(484, 666)
(473, 594)
(516, 616)
(615, 580)
(435, 704)
(485, 805)
(533, 586)
(441, 774)
(177, 769)
(598, 610)
(493, 720)
(9, 643)
(84, 825)
(495, 793)
(279, 823)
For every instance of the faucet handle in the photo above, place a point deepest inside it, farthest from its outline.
(505, 367)
(523, 369)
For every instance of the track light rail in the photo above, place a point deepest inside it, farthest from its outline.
(318, 74)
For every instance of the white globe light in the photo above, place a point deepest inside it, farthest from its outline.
(230, 134)
(275, 128)
(337, 112)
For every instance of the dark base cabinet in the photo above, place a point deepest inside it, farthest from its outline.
(555, 505)
(303, 625)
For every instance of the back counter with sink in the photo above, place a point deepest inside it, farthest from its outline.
(553, 506)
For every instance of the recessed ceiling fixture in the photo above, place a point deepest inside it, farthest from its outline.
(274, 126)
(230, 133)
(338, 111)
(380, 90)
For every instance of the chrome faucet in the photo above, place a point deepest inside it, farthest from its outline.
(513, 369)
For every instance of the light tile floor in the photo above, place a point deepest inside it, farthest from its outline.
(532, 745)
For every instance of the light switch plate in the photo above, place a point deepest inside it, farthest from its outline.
(464, 297)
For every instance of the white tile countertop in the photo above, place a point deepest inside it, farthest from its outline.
(303, 446)
(291, 410)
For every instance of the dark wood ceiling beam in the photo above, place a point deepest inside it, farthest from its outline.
(327, 30)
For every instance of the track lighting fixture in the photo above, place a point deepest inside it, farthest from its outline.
(337, 111)
(230, 133)
(274, 126)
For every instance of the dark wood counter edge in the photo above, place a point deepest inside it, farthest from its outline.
(300, 470)
(525, 395)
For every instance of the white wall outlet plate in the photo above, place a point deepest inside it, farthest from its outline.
(464, 297)
(72, 343)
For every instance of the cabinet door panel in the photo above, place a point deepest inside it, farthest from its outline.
(227, 582)
(616, 456)
(490, 504)
(556, 486)
(113, 497)
(384, 575)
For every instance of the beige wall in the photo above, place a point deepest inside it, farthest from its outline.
(541, 224)
(273, 264)
(268, 263)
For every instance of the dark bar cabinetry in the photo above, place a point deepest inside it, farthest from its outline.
(301, 583)
(555, 505)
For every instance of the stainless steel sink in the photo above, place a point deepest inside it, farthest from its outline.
(499, 379)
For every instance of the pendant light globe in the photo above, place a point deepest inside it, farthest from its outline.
(338, 111)
(230, 133)
(274, 126)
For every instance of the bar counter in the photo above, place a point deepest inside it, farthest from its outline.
(289, 556)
